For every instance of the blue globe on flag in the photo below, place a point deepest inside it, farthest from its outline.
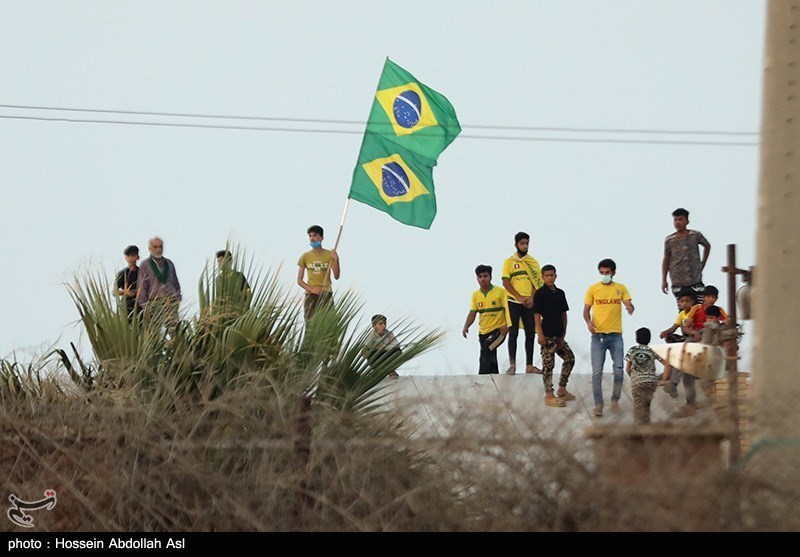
(395, 182)
(407, 108)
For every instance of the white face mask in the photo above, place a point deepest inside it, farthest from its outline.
(605, 279)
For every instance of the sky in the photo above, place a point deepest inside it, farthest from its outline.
(584, 124)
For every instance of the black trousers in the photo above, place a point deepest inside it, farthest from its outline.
(488, 357)
(516, 311)
(697, 288)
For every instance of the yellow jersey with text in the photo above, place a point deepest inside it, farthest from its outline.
(524, 273)
(606, 302)
(492, 308)
(316, 266)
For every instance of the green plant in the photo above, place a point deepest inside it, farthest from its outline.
(245, 330)
(27, 381)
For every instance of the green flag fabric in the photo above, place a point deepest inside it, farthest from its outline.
(409, 126)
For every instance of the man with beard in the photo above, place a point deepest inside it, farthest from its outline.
(159, 289)
(521, 278)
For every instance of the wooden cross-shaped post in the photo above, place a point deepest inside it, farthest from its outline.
(731, 353)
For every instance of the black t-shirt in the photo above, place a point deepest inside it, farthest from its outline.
(126, 278)
(551, 304)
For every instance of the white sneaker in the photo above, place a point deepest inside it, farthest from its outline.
(512, 368)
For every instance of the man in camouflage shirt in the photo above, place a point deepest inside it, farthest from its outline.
(682, 258)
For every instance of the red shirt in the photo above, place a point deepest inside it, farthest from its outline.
(698, 317)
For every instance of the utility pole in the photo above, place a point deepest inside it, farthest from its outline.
(731, 347)
(776, 293)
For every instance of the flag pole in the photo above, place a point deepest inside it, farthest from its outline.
(341, 223)
(336, 244)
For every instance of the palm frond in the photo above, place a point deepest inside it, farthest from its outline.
(238, 337)
(350, 383)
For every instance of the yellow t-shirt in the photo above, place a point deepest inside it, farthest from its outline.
(316, 264)
(492, 308)
(606, 301)
(520, 270)
(684, 314)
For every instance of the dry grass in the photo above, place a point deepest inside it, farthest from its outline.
(241, 462)
(243, 419)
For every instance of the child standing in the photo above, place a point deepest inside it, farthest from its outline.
(550, 317)
(381, 343)
(491, 303)
(641, 368)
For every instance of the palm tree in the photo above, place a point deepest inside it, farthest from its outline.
(237, 335)
(241, 337)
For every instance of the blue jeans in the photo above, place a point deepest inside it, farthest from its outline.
(600, 343)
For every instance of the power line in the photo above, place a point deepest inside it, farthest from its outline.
(175, 125)
(364, 123)
(357, 132)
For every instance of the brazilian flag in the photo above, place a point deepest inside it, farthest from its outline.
(409, 126)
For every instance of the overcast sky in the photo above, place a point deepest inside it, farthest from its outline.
(76, 193)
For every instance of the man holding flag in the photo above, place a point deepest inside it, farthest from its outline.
(314, 270)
